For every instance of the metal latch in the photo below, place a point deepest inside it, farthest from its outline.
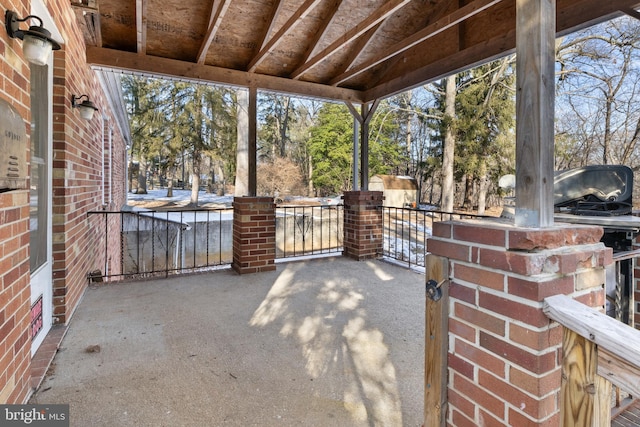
(433, 289)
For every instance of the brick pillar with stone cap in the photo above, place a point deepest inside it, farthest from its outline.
(254, 234)
(505, 355)
(363, 224)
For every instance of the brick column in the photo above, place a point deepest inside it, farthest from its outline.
(504, 358)
(254, 234)
(363, 224)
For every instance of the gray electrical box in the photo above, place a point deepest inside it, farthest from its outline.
(13, 149)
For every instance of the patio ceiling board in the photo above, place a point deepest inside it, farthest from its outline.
(349, 50)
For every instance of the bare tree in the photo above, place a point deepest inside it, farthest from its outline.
(598, 91)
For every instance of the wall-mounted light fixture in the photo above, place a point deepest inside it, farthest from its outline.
(37, 42)
(86, 107)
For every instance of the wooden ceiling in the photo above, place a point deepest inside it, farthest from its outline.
(351, 50)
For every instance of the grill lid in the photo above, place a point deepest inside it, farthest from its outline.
(597, 190)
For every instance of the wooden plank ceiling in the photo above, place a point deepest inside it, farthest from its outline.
(352, 50)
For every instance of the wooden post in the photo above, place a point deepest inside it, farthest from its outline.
(363, 118)
(246, 173)
(253, 146)
(436, 344)
(535, 105)
(585, 396)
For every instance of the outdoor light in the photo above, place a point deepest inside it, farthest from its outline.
(86, 107)
(37, 41)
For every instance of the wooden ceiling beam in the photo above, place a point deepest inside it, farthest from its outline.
(141, 26)
(359, 46)
(116, 60)
(218, 10)
(322, 30)
(293, 21)
(362, 27)
(271, 19)
(429, 31)
(459, 61)
(569, 19)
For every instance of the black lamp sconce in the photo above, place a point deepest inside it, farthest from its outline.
(37, 42)
(86, 107)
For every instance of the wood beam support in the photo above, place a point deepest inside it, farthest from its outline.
(246, 156)
(363, 118)
(253, 145)
(436, 343)
(426, 33)
(217, 13)
(535, 104)
(103, 59)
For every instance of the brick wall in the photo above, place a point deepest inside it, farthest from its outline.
(77, 179)
(79, 240)
(254, 234)
(504, 353)
(15, 298)
(363, 224)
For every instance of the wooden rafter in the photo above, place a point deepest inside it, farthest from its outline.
(218, 10)
(437, 27)
(322, 30)
(295, 19)
(390, 65)
(359, 46)
(141, 26)
(362, 27)
(271, 19)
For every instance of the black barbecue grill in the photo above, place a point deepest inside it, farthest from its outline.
(603, 195)
(594, 190)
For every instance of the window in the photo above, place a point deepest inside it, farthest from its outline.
(39, 167)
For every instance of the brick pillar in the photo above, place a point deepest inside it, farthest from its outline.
(504, 354)
(254, 234)
(363, 224)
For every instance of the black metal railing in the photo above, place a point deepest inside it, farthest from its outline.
(308, 230)
(160, 243)
(406, 230)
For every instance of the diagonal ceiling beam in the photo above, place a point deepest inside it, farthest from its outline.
(322, 30)
(429, 31)
(371, 21)
(359, 46)
(218, 10)
(141, 26)
(271, 19)
(295, 19)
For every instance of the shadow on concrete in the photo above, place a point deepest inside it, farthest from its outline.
(327, 342)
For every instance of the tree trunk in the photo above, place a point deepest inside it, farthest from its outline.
(484, 186)
(195, 179)
(448, 144)
(467, 202)
(142, 177)
(170, 176)
(310, 192)
(283, 128)
(219, 171)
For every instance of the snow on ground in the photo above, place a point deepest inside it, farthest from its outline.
(180, 198)
(399, 248)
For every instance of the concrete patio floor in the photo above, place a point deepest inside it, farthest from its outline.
(323, 342)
